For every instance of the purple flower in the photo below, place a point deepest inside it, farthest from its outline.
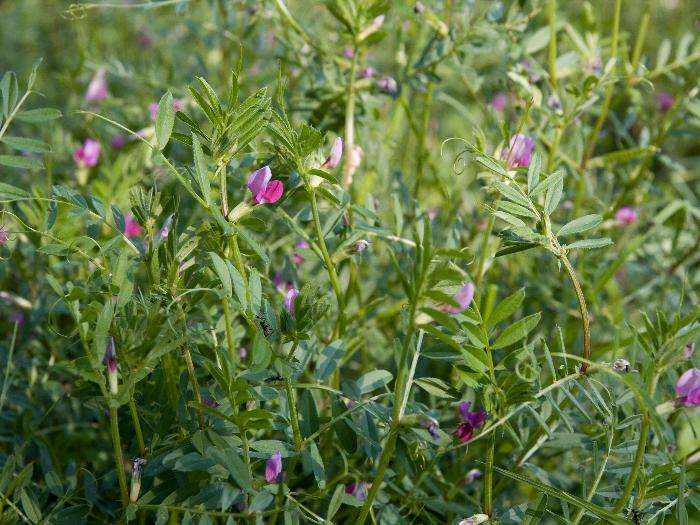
(273, 468)
(110, 361)
(97, 89)
(360, 246)
(242, 352)
(688, 388)
(367, 72)
(278, 280)
(298, 259)
(210, 402)
(358, 490)
(264, 191)
(431, 425)
(4, 235)
(143, 40)
(348, 52)
(519, 151)
(419, 8)
(534, 77)
(463, 298)
(165, 230)
(88, 154)
(472, 476)
(388, 85)
(499, 101)
(16, 316)
(664, 101)
(131, 227)
(334, 157)
(554, 103)
(626, 216)
(689, 350)
(289, 300)
(471, 421)
(118, 141)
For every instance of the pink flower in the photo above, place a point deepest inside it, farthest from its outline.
(348, 52)
(499, 101)
(367, 72)
(153, 108)
(519, 151)
(298, 259)
(131, 227)
(88, 154)
(273, 468)
(463, 298)
(289, 300)
(4, 235)
(625, 216)
(242, 352)
(118, 141)
(688, 388)
(97, 89)
(263, 190)
(471, 421)
(358, 490)
(336, 153)
(388, 85)
(664, 101)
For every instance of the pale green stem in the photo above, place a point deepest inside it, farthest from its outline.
(384, 461)
(118, 457)
(350, 123)
(585, 320)
(552, 14)
(137, 427)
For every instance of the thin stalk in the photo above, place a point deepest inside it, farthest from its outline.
(488, 476)
(6, 380)
(137, 427)
(118, 457)
(381, 469)
(350, 122)
(11, 116)
(585, 320)
(638, 458)
(581, 187)
(195, 385)
(421, 139)
(641, 36)
(552, 15)
(292, 405)
(229, 333)
(485, 244)
(330, 267)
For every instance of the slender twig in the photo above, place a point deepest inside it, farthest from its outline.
(585, 320)
(137, 426)
(118, 457)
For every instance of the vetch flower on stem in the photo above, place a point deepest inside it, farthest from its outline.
(626, 216)
(664, 101)
(689, 350)
(359, 490)
(499, 101)
(273, 468)
(88, 154)
(4, 235)
(519, 151)
(367, 72)
(360, 246)
(136, 479)
(348, 52)
(621, 365)
(131, 226)
(97, 89)
(110, 361)
(472, 476)
(688, 388)
(298, 259)
(165, 230)
(289, 300)
(334, 157)
(264, 191)
(118, 141)
(419, 8)
(388, 85)
(463, 298)
(431, 425)
(242, 352)
(471, 421)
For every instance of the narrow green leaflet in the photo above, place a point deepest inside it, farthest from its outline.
(516, 331)
(533, 171)
(25, 144)
(165, 119)
(579, 225)
(200, 169)
(588, 244)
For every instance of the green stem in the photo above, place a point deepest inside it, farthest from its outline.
(238, 259)
(224, 193)
(384, 461)
(293, 414)
(229, 333)
(585, 320)
(137, 427)
(485, 244)
(421, 139)
(488, 476)
(195, 385)
(638, 458)
(330, 267)
(350, 122)
(118, 457)
(641, 35)
(552, 13)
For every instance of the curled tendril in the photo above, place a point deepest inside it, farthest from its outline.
(75, 12)
(459, 164)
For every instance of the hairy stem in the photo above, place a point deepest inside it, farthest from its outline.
(118, 457)
(330, 267)
(585, 320)
(350, 122)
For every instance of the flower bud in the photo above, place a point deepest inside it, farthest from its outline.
(110, 362)
(621, 365)
(136, 479)
(360, 246)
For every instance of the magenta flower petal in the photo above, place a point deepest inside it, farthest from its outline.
(688, 388)
(257, 182)
(272, 193)
(626, 216)
(519, 151)
(88, 154)
(463, 298)
(471, 421)
(664, 102)
(273, 468)
(289, 300)
(97, 89)
(336, 153)
(498, 102)
(131, 227)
